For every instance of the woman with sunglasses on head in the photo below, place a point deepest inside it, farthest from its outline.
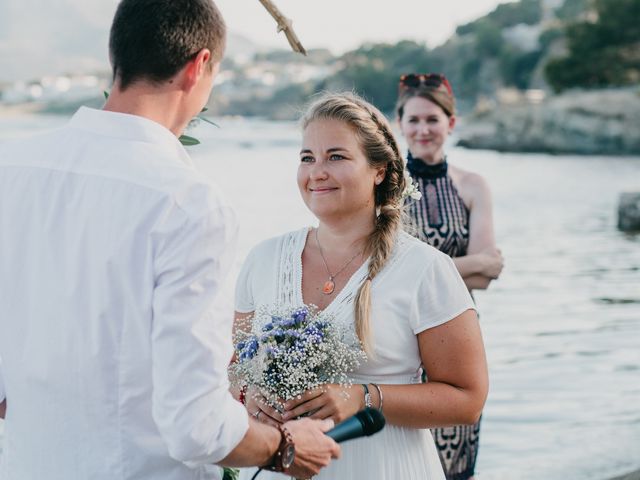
(454, 215)
(399, 299)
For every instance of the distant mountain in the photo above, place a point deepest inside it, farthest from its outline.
(240, 46)
(40, 38)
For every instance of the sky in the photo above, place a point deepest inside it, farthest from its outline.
(39, 37)
(342, 25)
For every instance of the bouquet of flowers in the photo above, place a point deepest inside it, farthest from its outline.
(291, 351)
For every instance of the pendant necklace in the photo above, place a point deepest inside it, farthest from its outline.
(330, 285)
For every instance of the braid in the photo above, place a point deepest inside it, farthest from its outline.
(388, 222)
(380, 245)
(377, 141)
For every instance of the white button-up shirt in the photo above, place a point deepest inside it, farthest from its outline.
(112, 251)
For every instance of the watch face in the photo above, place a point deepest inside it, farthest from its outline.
(288, 455)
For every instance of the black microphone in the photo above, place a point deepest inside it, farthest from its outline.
(364, 423)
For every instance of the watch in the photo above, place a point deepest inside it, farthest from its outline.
(286, 453)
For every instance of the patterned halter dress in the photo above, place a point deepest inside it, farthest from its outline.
(441, 219)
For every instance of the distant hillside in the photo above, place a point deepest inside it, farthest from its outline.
(602, 51)
(505, 69)
(590, 53)
(507, 48)
(35, 39)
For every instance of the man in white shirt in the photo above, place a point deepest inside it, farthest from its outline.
(112, 251)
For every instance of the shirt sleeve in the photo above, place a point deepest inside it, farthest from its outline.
(441, 295)
(191, 344)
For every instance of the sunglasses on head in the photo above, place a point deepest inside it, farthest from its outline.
(433, 80)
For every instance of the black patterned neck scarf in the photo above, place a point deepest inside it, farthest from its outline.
(418, 168)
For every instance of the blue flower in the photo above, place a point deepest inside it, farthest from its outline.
(300, 316)
(265, 337)
(249, 349)
(272, 351)
(267, 327)
(292, 333)
(311, 329)
(278, 335)
(321, 324)
(276, 320)
(288, 322)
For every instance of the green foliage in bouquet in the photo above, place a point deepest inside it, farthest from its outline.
(231, 474)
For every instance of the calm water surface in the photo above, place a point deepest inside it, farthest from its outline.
(561, 326)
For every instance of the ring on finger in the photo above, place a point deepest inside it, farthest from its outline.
(257, 414)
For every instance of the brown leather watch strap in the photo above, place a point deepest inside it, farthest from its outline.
(286, 442)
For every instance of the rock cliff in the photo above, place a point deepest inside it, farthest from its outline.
(592, 122)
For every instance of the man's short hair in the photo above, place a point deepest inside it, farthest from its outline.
(153, 39)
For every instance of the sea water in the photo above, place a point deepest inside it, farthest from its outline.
(561, 325)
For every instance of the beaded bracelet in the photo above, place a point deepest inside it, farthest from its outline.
(242, 398)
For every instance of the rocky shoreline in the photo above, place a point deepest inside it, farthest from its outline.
(597, 122)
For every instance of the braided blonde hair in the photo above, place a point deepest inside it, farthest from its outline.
(374, 135)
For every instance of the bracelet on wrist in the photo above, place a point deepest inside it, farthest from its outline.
(380, 396)
(367, 396)
(242, 398)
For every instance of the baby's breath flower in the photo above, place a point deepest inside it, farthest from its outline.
(292, 351)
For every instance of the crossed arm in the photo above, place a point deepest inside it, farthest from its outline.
(483, 261)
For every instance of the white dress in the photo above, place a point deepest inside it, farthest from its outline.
(418, 288)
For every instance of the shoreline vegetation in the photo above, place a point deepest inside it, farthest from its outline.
(576, 122)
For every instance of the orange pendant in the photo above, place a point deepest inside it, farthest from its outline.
(329, 287)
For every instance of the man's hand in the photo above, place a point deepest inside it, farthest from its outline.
(314, 450)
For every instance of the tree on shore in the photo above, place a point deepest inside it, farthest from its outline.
(603, 52)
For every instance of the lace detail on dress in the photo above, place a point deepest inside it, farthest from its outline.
(290, 273)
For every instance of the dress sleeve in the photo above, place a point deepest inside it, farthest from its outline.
(193, 409)
(244, 297)
(441, 295)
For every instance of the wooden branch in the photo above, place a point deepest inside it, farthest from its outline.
(284, 25)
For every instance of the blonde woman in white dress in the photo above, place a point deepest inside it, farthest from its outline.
(401, 299)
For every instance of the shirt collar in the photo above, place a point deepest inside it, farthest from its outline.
(128, 127)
